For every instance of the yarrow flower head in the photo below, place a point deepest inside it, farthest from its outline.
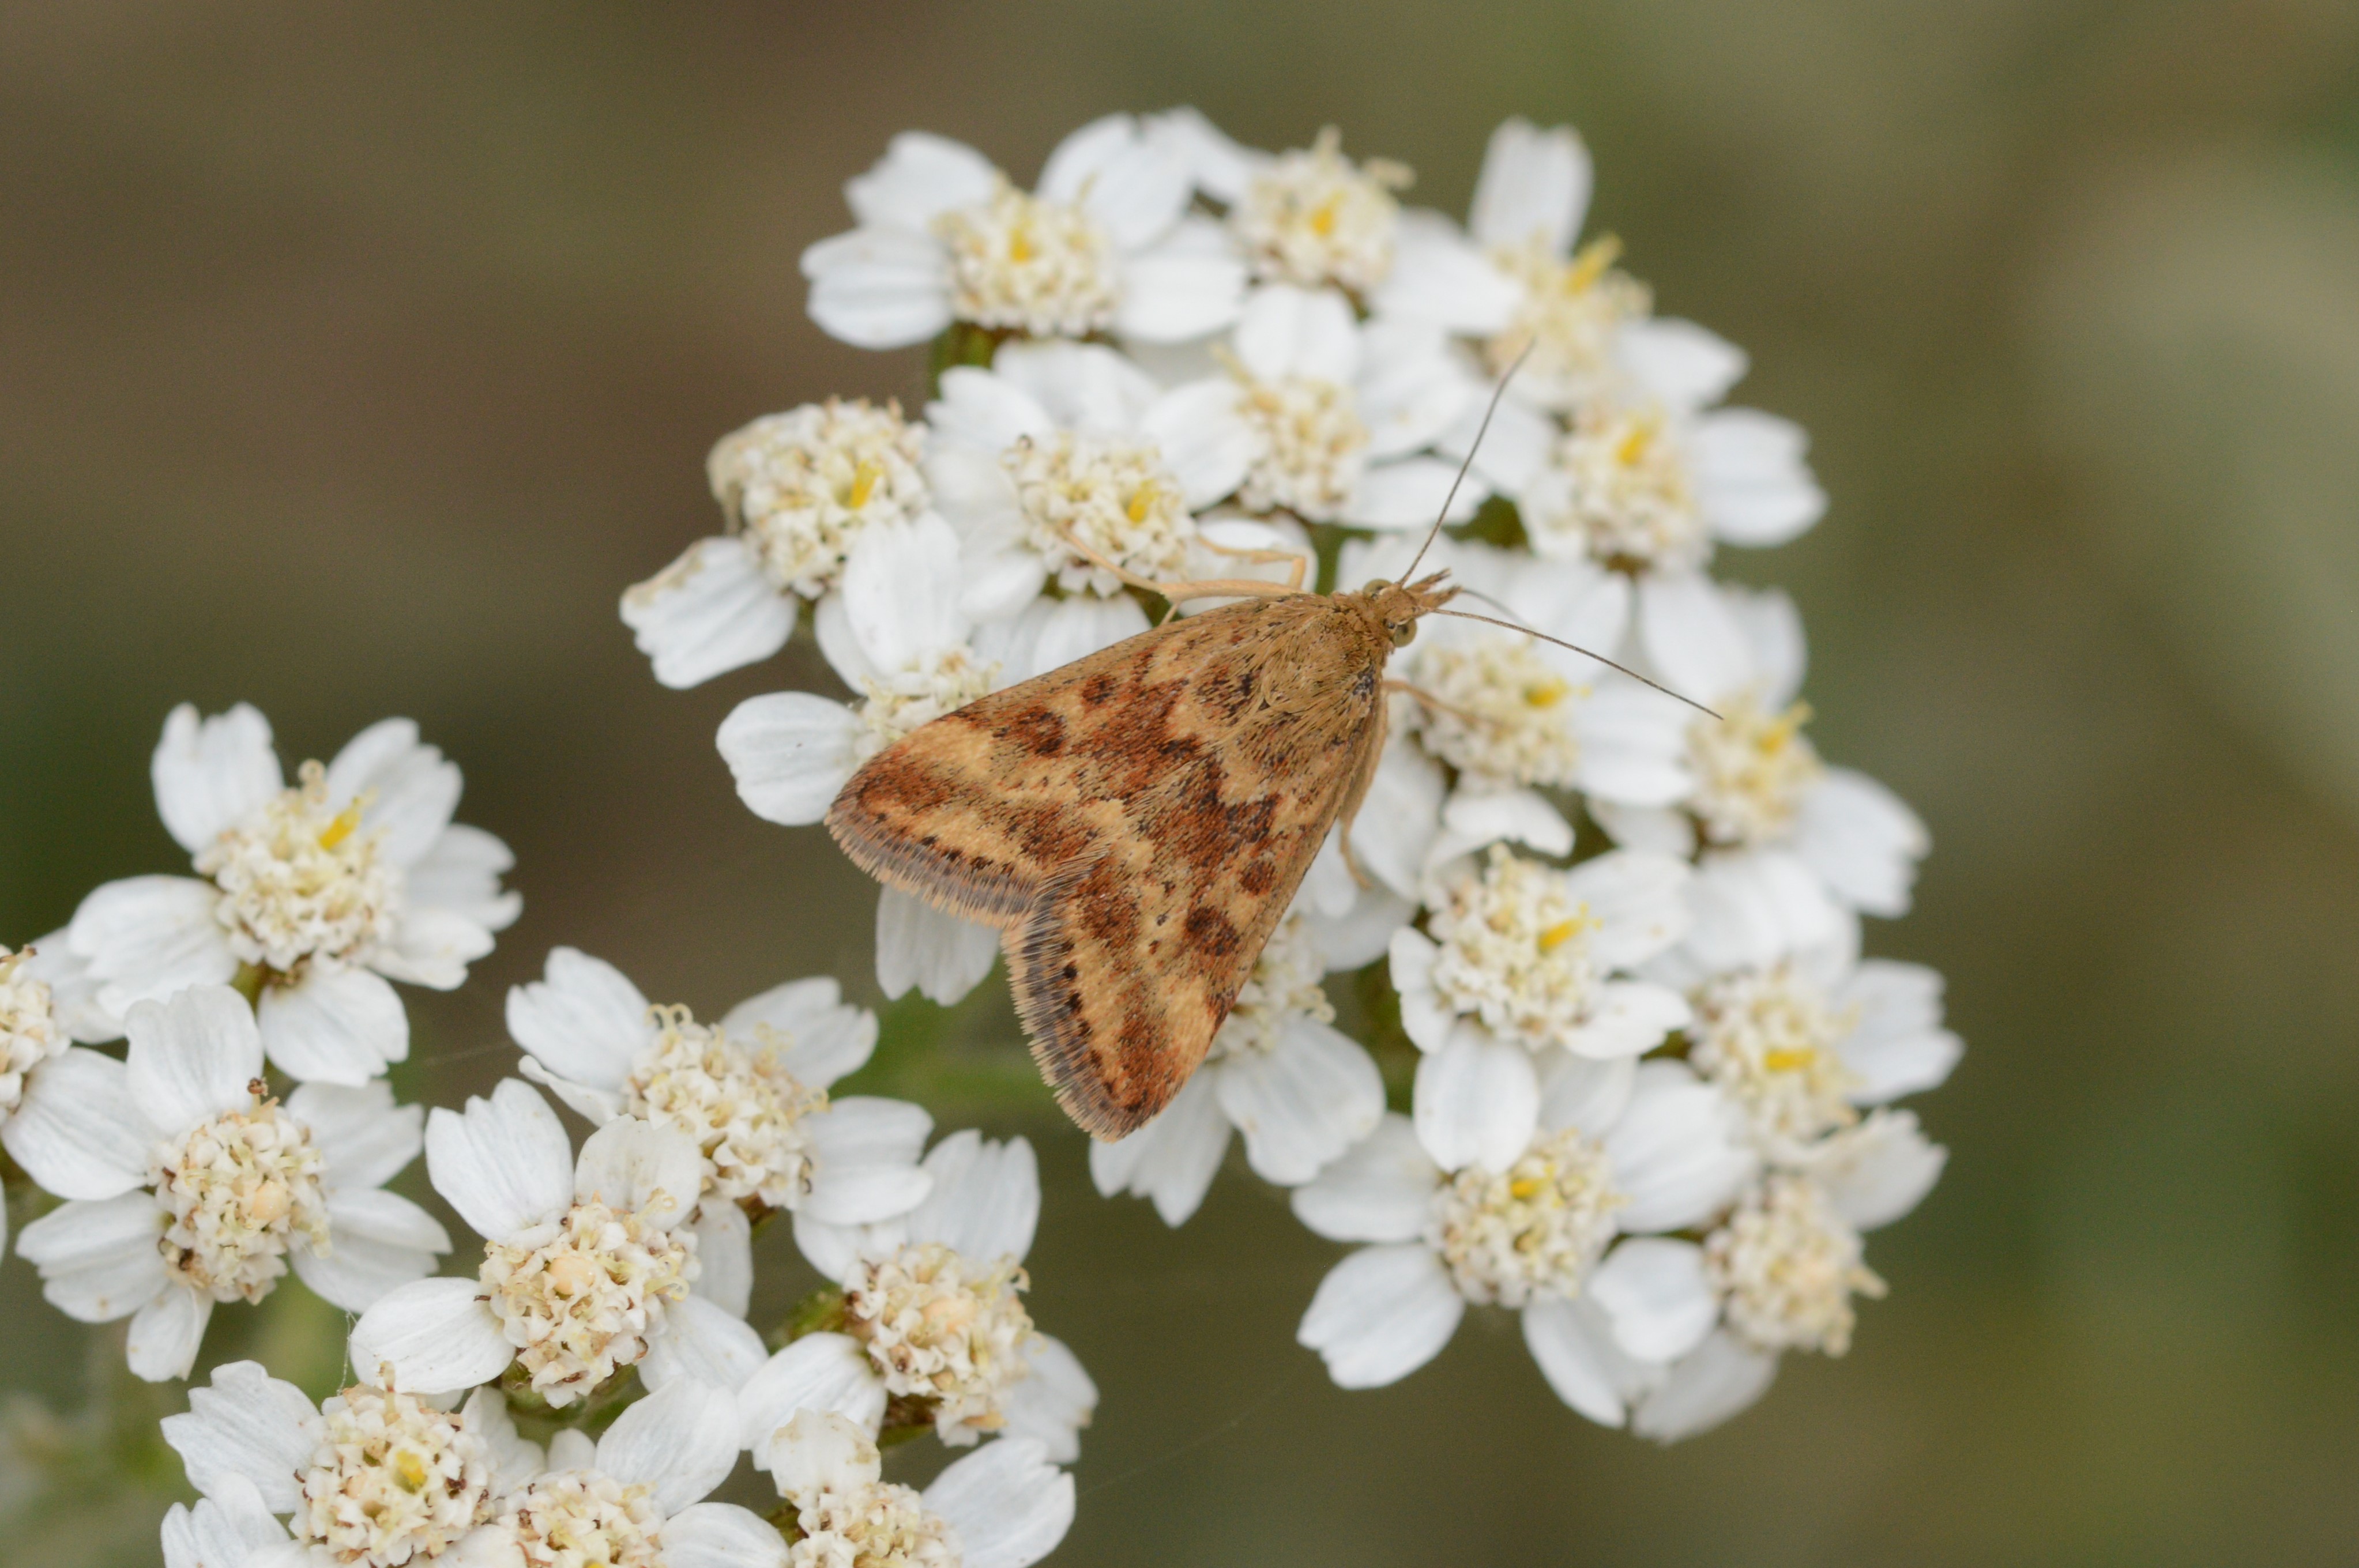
(188, 1184)
(930, 1327)
(588, 1266)
(799, 490)
(30, 1033)
(1006, 1506)
(313, 897)
(1313, 216)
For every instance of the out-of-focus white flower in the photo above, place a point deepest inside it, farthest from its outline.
(751, 1090)
(32, 1033)
(931, 1316)
(1791, 843)
(1343, 412)
(1778, 1272)
(1102, 244)
(896, 633)
(1066, 442)
(587, 1266)
(1279, 1071)
(1007, 1506)
(372, 1478)
(187, 1185)
(1619, 1148)
(799, 490)
(323, 892)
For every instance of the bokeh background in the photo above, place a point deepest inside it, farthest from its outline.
(353, 358)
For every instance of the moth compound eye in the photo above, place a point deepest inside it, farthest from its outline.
(1404, 633)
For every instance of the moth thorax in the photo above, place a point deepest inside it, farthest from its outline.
(1752, 767)
(1019, 263)
(1768, 1036)
(1788, 1264)
(1570, 311)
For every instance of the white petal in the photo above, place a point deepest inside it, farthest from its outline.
(431, 948)
(1472, 820)
(1659, 832)
(1087, 386)
(1863, 839)
(712, 611)
(702, 1340)
(1380, 1314)
(461, 872)
(1879, 1170)
(1380, 1190)
(901, 588)
(1399, 818)
(515, 1461)
(680, 1441)
(999, 586)
(247, 1426)
(879, 287)
(1173, 1158)
(633, 1165)
(1754, 908)
(334, 1026)
(406, 789)
(585, 1020)
(1223, 168)
(826, 1037)
(1133, 184)
(1409, 493)
(231, 1530)
(377, 1242)
(1052, 1402)
(1753, 486)
(1205, 442)
(1076, 628)
(1437, 276)
(789, 752)
(1655, 1291)
(725, 1256)
(1634, 757)
(986, 1199)
(1514, 451)
(1534, 185)
(817, 1372)
(1719, 1378)
(1676, 1152)
(211, 774)
(595, 1106)
(504, 1163)
(1303, 1104)
(1008, 1506)
(147, 937)
(1362, 934)
(1585, 1094)
(1289, 332)
(165, 1334)
(920, 177)
(1476, 1102)
(1897, 1046)
(941, 955)
(721, 1535)
(979, 415)
(865, 1154)
(1628, 1018)
(1691, 637)
(1639, 900)
(98, 1260)
(1679, 363)
(191, 1059)
(833, 1248)
(1576, 1353)
(1172, 293)
(428, 1337)
(78, 1131)
(1424, 1015)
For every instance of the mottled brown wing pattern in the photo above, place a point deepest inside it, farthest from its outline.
(1135, 822)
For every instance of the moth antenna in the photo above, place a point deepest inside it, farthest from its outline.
(1584, 653)
(1473, 446)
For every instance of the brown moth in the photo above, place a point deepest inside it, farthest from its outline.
(1136, 822)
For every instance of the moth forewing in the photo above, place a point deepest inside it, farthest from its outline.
(1135, 823)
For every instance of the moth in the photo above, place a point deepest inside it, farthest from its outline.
(1136, 822)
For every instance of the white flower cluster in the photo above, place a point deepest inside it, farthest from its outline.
(1621, 932)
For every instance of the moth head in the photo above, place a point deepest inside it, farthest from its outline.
(1399, 607)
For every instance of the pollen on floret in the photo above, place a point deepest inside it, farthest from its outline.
(30, 1033)
(1566, 320)
(1314, 217)
(1497, 710)
(736, 1100)
(1534, 1228)
(1768, 1037)
(802, 485)
(1513, 950)
(583, 1518)
(393, 1480)
(1284, 985)
(1621, 491)
(1787, 1265)
(1111, 493)
(237, 1192)
(943, 1329)
(301, 883)
(1752, 767)
(581, 1296)
(1021, 262)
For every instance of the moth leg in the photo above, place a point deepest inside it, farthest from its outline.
(1215, 588)
(1297, 562)
(1363, 773)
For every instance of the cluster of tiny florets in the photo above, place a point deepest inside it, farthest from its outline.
(944, 1329)
(1534, 1229)
(737, 1100)
(580, 1297)
(301, 881)
(1514, 950)
(394, 1480)
(237, 1192)
(804, 485)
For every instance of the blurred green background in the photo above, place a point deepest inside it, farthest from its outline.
(354, 359)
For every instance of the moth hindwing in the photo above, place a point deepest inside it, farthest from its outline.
(1135, 822)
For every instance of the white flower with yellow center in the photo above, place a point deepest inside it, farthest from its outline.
(1313, 218)
(930, 1316)
(898, 634)
(1619, 1149)
(1103, 244)
(187, 1185)
(750, 1090)
(372, 1478)
(32, 1033)
(1278, 1072)
(799, 490)
(1777, 1273)
(314, 898)
(1520, 963)
(1792, 846)
(1064, 450)
(589, 1266)
(1007, 1506)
